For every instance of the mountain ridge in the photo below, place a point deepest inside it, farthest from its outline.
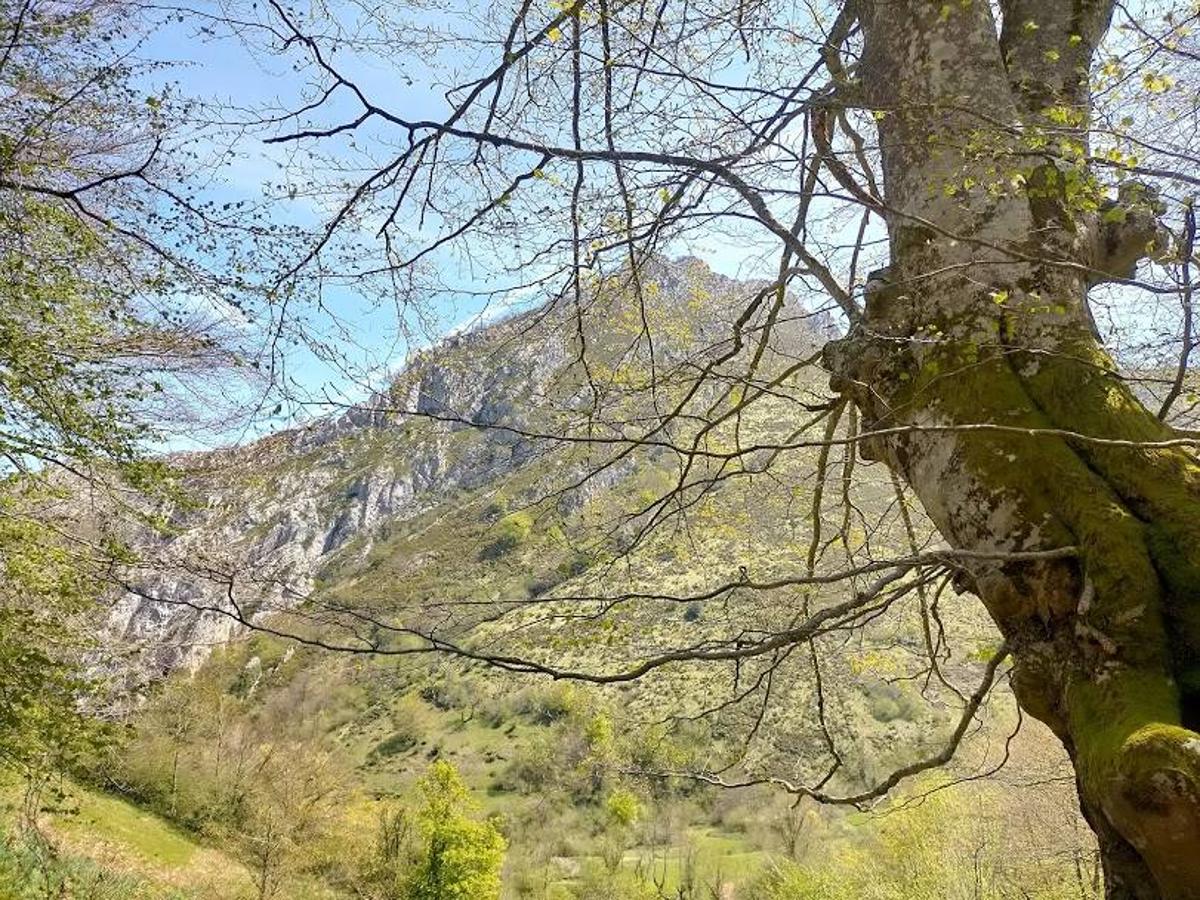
(459, 415)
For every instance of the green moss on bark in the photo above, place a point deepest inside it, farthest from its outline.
(1159, 485)
(1119, 644)
(1060, 498)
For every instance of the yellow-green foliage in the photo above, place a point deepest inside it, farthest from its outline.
(623, 808)
(507, 535)
(461, 856)
(46, 590)
(941, 846)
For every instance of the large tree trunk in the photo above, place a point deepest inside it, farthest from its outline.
(977, 334)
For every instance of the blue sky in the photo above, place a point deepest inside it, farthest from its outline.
(211, 64)
(366, 339)
(218, 67)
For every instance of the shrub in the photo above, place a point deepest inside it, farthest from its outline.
(576, 565)
(494, 511)
(507, 535)
(543, 585)
(30, 870)
(449, 692)
(786, 881)
(393, 853)
(888, 702)
(599, 883)
(410, 723)
(551, 704)
(623, 808)
(532, 769)
(395, 743)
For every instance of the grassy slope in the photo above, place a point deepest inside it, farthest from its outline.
(101, 839)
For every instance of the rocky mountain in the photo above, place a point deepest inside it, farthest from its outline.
(463, 507)
(273, 520)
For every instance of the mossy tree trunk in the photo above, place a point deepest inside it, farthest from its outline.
(981, 321)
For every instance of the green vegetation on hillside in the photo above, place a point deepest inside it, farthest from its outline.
(301, 776)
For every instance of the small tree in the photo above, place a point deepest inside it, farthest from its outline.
(791, 827)
(386, 868)
(288, 814)
(622, 811)
(462, 856)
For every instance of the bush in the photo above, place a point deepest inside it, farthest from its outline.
(494, 511)
(786, 881)
(392, 855)
(599, 883)
(449, 692)
(410, 725)
(888, 702)
(576, 565)
(30, 870)
(552, 704)
(543, 585)
(532, 769)
(623, 808)
(507, 535)
(395, 743)
(494, 711)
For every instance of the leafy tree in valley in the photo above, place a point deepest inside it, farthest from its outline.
(461, 856)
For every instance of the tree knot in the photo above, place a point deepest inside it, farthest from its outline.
(1130, 229)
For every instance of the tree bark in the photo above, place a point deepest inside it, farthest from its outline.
(981, 320)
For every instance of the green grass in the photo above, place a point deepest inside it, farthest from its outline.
(716, 855)
(115, 821)
(105, 848)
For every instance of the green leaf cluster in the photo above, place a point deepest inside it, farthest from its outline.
(461, 856)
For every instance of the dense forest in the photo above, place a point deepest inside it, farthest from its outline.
(599, 450)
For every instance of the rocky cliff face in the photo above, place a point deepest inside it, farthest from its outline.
(273, 516)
